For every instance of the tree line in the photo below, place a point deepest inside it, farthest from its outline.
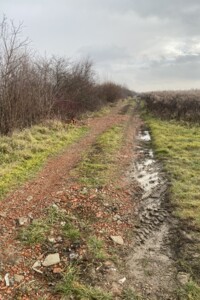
(34, 88)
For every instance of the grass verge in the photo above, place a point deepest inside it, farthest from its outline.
(178, 145)
(22, 154)
(97, 165)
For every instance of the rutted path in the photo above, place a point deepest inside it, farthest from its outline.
(151, 265)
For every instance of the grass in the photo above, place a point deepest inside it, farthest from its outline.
(70, 286)
(35, 233)
(97, 165)
(191, 291)
(96, 247)
(72, 233)
(103, 111)
(39, 230)
(179, 146)
(23, 153)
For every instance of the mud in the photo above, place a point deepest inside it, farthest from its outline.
(151, 265)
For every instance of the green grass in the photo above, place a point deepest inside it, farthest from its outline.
(191, 291)
(96, 247)
(35, 233)
(97, 165)
(23, 153)
(39, 230)
(72, 233)
(179, 146)
(70, 286)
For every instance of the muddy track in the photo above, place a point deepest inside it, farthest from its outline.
(151, 265)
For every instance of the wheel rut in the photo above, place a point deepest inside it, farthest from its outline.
(151, 265)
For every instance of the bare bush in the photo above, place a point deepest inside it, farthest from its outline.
(180, 105)
(33, 89)
(110, 92)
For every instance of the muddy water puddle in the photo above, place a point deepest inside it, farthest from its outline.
(151, 264)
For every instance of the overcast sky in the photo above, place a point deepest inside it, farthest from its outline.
(145, 44)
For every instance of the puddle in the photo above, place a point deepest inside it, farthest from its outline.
(151, 265)
(144, 136)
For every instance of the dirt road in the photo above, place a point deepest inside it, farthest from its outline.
(139, 213)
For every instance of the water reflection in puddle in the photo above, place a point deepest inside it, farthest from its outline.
(146, 169)
(144, 136)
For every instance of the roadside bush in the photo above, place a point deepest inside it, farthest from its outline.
(179, 105)
(33, 88)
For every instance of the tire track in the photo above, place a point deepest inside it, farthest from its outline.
(152, 265)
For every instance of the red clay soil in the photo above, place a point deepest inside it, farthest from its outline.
(54, 185)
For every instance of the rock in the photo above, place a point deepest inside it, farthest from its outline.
(121, 281)
(59, 192)
(36, 265)
(73, 256)
(109, 264)
(30, 215)
(18, 278)
(51, 259)
(52, 240)
(29, 198)
(187, 236)
(117, 239)
(7, 280)
(55, 206)
(183, 278)
(63, 223)
(59, 239)
(116, 217)
(22, 221)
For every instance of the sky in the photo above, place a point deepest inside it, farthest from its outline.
(143, 44)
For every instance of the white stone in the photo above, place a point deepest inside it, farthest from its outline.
(121, 281)
(51, 259)
(183, 278)
(23, 221)
(117, 239)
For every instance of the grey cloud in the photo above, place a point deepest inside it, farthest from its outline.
(102, 54)
(146, 44)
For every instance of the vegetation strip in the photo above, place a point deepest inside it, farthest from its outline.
(98, 163)
(23, 154)
(178, 145)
